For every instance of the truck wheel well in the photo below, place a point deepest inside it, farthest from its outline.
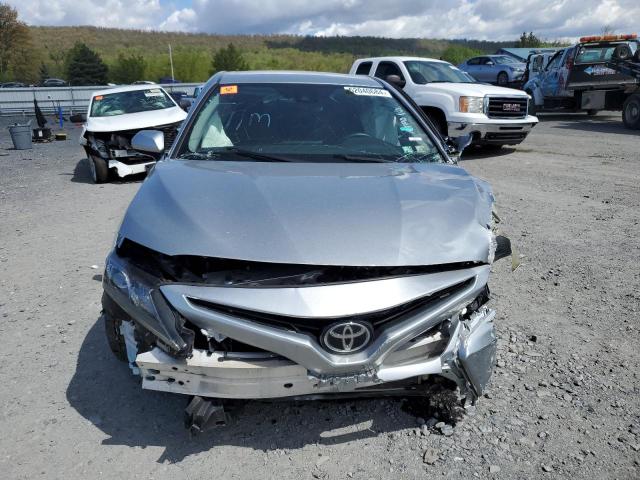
(438, 118)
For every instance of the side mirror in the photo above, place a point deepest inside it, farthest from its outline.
(455, 146)
(185, 104)
(148, 141)
(490, 63)
(463, 142)
(396, 81)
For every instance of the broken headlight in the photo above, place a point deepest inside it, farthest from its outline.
(134, 288)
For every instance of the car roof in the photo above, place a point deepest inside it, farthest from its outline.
(271, 76)
(127, 88)
(401, 59)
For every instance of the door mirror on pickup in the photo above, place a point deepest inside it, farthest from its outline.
(148, 141)
(396, 81)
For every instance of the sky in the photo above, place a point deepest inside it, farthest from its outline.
(477, 19)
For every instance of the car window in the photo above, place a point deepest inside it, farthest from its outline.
(473, 61)
(134, 101)
(388, 68)
(555, 61)
(484, 60)
(364, 68)
(306, 123)
(423, 72)
(595, 53)
(504, 60)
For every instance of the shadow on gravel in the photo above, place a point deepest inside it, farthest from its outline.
(478, 153)
(82, 174)
(104, 392)
(593, 124)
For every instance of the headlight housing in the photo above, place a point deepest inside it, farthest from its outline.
(471, 104)
(134, 288)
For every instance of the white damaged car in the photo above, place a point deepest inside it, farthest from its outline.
(115, 116)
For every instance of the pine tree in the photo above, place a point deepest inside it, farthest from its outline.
(128, 68)
(85, 67)
(229, 59)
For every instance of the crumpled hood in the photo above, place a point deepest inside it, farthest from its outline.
(135, 121)
(313, 213)
(474, 89)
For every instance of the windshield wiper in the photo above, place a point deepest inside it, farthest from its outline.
(361, 158)
(264, 157)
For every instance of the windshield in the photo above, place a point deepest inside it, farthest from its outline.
(130, 102)
(504, 60)
(306, 122)
(434, 72)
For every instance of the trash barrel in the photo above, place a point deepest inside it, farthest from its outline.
(21, 136)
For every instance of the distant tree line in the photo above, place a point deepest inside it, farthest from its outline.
(93, 55)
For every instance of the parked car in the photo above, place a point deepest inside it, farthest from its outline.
(54, 82)
(278, 249)
(143, 82)
(578, 78)
(115, 116)
(456, 103)
(502, 70)
(13, 85)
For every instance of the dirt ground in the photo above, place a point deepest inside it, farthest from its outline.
(563, 402)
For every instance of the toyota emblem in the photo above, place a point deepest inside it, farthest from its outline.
(347, 337)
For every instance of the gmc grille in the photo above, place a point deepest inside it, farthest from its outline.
(507, 107)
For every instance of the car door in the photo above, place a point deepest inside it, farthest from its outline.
(550, 80)
(472, 66)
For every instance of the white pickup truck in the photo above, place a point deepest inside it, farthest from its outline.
(456, 103)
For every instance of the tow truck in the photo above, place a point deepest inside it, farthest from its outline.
(581, 78)
(629, 66)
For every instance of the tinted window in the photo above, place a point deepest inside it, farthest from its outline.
(484, 60)
(474, 61)
(364, 68)
(388, 68)
(595, 53)
(504, 60)
(306, 122)
(130, 102)
(422, 72)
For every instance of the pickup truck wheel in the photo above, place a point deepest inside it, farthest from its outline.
(631, 112)
(99, 169)
(503, 79)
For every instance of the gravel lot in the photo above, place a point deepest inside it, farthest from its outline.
(564, 401)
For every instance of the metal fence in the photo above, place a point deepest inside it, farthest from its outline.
(19, 101)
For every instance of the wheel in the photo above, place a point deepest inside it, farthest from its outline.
(592, 112)
(631, 112)
(532, 103)
(503, 79)
(99, 169)
(622, 52)
(114, 337)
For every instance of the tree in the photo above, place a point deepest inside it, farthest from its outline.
(529, 41)
(85, 67)
(457, 54)
(128, 68)
(44, 72)
(17, 55)
(228, 59)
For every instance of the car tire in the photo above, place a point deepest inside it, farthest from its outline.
(592, 112)
(631, 112)
(503, 79)
(99, 169)
(115, 338)
(622, 52)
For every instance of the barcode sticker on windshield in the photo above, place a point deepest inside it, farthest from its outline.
(369, 92)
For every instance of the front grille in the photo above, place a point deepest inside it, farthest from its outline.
(314, 326)
(170, 133)
(507, 107)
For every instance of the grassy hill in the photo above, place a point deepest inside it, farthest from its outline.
(192, 53)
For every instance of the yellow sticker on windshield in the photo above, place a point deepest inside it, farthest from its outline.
(228, 90)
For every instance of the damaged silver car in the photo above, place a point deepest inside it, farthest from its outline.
(306, 235)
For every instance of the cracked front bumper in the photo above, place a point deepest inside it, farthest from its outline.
(467, 359)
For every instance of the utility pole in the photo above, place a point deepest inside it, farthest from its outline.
(171, 61)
